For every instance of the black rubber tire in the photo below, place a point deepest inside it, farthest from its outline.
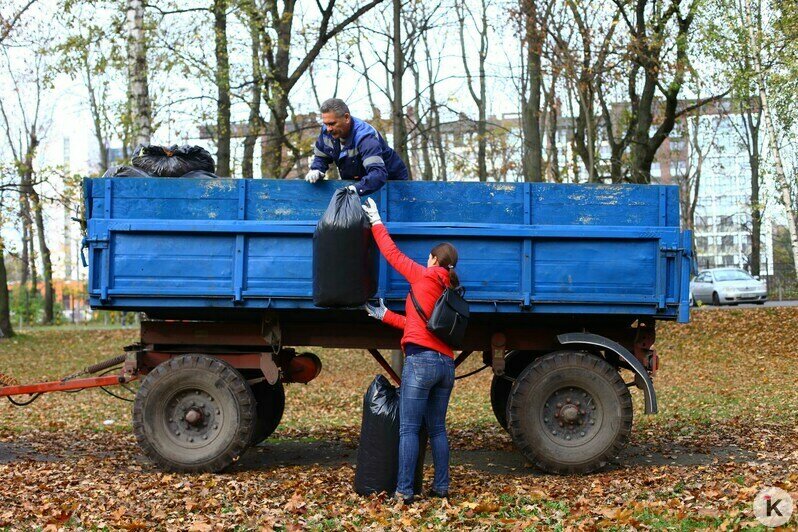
(515, 362)
(271, 405)
(222, 434)
(715, 299)
(499, 394)
(529, 413)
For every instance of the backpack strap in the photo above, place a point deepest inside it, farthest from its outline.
(418, 307)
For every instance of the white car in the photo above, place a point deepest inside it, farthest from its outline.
(727, 286)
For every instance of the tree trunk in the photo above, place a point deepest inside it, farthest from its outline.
(223, 90)
(30, 191)
(532, 157)
(279, 80)
(47, 266)
(27, 222)
(6, 329)
(482, 140)
(138, 89)
(482, 126)
(255, 121)
(435, 117)
(756, 208)
(439, 142)
(399, 128)
(422, 131)
(552, 155)
(272, 154)
(34, 274)
(640, 159)
(96, 115)
(67, 239)
(781, 178)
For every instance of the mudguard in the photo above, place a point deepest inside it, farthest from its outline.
(600, 341)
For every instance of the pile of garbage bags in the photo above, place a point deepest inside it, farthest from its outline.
(163, 161)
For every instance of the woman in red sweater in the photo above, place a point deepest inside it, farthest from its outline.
(428, 374)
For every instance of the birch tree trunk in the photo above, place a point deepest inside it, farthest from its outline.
(138, 88)
(781, 178)
(27, 222)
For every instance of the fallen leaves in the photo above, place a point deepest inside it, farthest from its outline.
(727, 428)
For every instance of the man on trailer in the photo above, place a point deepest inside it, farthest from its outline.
(357, 149)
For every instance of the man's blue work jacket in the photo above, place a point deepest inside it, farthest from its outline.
(364, 155)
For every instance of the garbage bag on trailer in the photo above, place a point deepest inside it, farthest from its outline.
(174, 161)
(124, 171)
(378, 452)
(344, 254)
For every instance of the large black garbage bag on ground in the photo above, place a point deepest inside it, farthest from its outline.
(124, 171)
(378, 452)
(174, 161)
(344, 254)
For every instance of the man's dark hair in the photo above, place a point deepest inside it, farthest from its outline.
(335, 105)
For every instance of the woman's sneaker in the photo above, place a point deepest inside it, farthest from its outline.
(405, 499)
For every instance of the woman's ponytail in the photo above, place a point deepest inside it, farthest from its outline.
(447, 258)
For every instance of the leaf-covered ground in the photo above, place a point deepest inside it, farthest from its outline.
(728, 427)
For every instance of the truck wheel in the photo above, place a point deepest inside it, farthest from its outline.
(194, 413)
(271, 404)
(500, 386)
(569, 412)
(499, 394)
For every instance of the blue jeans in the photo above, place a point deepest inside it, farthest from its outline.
(427, 382)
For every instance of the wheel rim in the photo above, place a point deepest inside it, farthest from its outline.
(571, 416)
(193, 418)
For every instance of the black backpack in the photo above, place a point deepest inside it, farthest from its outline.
(449, 317)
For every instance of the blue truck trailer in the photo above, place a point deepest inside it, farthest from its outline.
(565, 284)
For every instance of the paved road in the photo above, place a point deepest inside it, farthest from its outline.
(744, 305)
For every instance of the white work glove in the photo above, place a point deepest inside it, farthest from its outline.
(377, 312)
(370, 208)
(313, 176)
(353, 188)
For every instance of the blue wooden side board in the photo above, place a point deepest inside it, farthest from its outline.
(526, 248)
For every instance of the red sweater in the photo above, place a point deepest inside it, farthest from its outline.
(427, 285)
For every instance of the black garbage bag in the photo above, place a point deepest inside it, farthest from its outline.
(378, 452)
(172, 161)
(124, 171)
(344, 254)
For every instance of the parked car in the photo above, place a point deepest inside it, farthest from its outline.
(727, 286)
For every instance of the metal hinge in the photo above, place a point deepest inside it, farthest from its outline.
(671, 250)
(97, 242)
